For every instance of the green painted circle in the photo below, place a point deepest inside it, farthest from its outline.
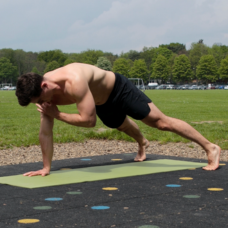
(148, 226)
(74, 193)
(42, 208)
(191, 196)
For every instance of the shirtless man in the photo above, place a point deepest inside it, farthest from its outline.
(98, 92)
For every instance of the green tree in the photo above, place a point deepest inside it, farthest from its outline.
(132, 55)
(168, 54)
(122, 66)
(54, 55)
(68, 61)
(148, 54)
(90, 56)
(174, 47)
(51, 66)
(139, 70)
(223, 70)
(182, 69)
(217, 51)
(8, 72)
(197, 50)
(161, 69)
(111, 57)
(104, 63)
(35, 70)
(207, 69)
(162, 51)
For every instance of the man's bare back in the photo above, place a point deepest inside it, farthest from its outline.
(71, 77)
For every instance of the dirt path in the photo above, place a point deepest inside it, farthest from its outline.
(100, 147)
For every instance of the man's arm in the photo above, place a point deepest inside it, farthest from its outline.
(46, 142)
(80, 92)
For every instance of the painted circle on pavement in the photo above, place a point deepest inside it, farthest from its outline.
(186, 178)
(117, 159)
(222, 164)
(192, 169)
(110, 188)
(215, 189)
(100, 207)
(42, 208)
(27, 221)
(65, 168)
(54, 199)
(86, 159)
(74, 193)
(191, 196)
(173, 185)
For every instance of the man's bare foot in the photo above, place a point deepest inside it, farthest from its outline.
(141, 156)
(213, 158)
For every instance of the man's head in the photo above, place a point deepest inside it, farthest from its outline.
(28, 87)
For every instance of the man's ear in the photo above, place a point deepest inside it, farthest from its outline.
(44, 85)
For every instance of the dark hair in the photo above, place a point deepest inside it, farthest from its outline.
(28, 87)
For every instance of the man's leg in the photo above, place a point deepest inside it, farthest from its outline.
(162, 122)
(131, 128)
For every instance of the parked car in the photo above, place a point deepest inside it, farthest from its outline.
(179, 87)
(226, 87)
(12, 88)
(221, 86)
(151, 86)
(193, 87)
(202, 87)
(161, 87)
(5, 88)
(211, 86)
(170, 86)
(175, 86)
(184, 87)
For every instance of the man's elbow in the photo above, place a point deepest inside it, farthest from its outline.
(92, 122)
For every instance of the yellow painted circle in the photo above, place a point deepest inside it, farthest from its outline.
(117, 159)
(185, 178)
(110, 188)
(222, 164)
(215, 189)
(192, 169)
(65, 168)
(26, 221)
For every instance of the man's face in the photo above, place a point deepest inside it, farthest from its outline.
(46, 96)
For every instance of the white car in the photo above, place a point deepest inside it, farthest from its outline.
(226, 87)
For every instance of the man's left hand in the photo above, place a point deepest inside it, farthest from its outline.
(48, 109)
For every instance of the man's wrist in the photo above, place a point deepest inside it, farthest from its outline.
(57, 115)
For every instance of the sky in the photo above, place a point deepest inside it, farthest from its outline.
(113, 26)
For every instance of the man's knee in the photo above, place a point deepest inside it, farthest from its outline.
(122, 128)
(163, 124)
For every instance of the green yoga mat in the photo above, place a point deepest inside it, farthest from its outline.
(97, 173)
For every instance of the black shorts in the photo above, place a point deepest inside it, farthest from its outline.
(125, 99)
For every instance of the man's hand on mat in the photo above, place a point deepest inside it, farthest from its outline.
(42, 172)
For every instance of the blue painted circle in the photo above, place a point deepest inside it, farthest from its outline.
(100, 207)
(173, 185)
(54, 199)
(86, 159)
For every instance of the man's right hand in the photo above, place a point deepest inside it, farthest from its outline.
(43, 172)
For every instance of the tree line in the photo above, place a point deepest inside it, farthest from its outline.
(166, 63)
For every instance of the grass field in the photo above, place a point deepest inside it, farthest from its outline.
(19, 126)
